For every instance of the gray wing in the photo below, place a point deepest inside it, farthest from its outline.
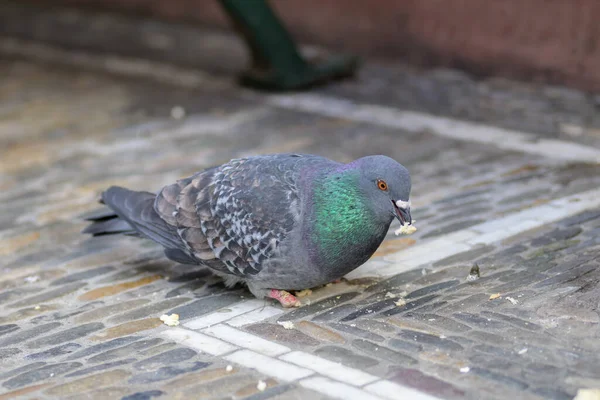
(232, 218)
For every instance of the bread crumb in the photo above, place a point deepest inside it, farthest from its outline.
(464, 370)
(170, 320)
(286, 324)
(495, 296)
(587, 394)
(513, 301)
(37, 307)
(229, 368)
(405, 230)
(261, 386)
(304, 293)
(400, 302)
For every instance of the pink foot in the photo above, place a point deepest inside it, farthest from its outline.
(286, 299)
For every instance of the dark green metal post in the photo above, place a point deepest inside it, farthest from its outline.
(276, 62)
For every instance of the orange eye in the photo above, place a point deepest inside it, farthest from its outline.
(382, 185)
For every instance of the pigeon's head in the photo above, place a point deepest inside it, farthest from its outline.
(387, 184)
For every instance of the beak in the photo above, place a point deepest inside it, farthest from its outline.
(402, 209)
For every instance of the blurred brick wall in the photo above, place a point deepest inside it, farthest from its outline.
(553, 40)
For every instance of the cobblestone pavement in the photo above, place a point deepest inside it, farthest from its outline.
(79, 317)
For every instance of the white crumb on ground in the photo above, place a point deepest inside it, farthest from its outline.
(464, 370)
(261, 386)
(170, 320)
(513, 301)
(286, 324)
(229, 368)
(400, 302)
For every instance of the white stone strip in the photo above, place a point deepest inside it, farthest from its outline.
(269, 366)
(246, 340)
(482, 234)
(255, 316)
(329, 368)
(198, 341)
(337, 390)
(448, 127)
(392, 391)
(224, 314)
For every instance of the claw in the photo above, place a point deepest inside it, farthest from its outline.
(286, 299)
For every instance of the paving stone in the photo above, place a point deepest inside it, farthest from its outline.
(278, 333)
(431, 289)
(203, 376)
(148, 310)
(105, 291)
(61, 350)
(4, 329)
(425, 383)
(83, 276)
(101, 367)
(504, 380)
(152, 351)
(371, 309)
(553, 394)
(487, 337)
(40, 374)
(335, 313)
(98, 348)
(317, 307)
(204, 306)
(103, 312)
(87, 383)
(66, 335)
(48, 295)
(6, 353)
(27, 312)
(24, 335)
(169, 357)
(513, 320)
(345, 357)
(120, 352)
(318, 332)
(464, 257)
(19, 393)
(378, 351)
(375, 325)
(147, 395)
(410, 305)
(353, 330)
(430, 340)
(395, 282)
(186, 289)
(405, 346)
(165, 373)
(581, 218)
(438, 321)
(21, 370)
(478, 321)
(567, 276)
(128, 328)
(457, 226)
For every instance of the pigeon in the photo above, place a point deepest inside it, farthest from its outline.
(277, 223)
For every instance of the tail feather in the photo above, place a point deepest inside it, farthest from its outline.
(132, 212)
